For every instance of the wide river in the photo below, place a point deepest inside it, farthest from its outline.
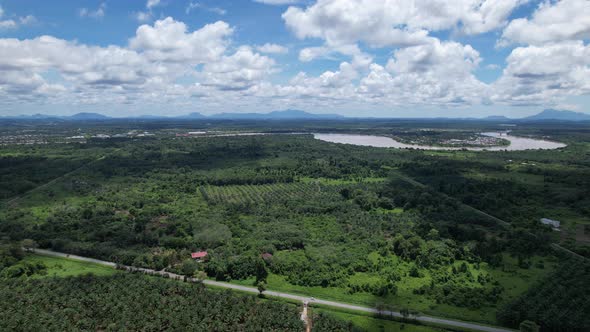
(516, 143)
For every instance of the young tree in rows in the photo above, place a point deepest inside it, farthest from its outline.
(29, 244)
(405, 312)
(380, 306)
(261, 272)
(189, 267)
(200, 276)
(261, 288)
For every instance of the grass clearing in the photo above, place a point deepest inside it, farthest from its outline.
(396, 210)
(515, 281)
(373, 324)
(63, 267)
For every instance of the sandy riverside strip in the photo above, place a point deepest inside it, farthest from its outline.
(311, 300)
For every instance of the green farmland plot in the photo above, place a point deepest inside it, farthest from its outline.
(254, 194)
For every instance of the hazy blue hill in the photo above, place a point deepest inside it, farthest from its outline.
(193, 115)
(546, 115)
(552, 114)
(235, 116)
(297, 114)
(497, 118)
(88, 116)
(40, 116)
(149, 116)
(276, 115)
(37, 116)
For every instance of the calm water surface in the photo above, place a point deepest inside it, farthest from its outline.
(516, 143)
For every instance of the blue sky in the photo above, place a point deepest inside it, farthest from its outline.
(354, 57)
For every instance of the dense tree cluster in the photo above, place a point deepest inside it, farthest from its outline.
(135, 303)
(558, 303)
(20, 173)
(11, 264)
(520, 203)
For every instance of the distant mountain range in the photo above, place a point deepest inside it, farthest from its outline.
(276, 115)
(546, 115)
(496, 118)
(75, 117)
(88, 116)
(551, 114)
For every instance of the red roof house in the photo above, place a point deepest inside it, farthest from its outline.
(199, 255)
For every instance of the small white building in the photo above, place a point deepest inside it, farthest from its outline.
(550, 222)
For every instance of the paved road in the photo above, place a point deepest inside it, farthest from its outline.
(420, 318)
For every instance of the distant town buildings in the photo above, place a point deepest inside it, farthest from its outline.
(199, 255)
(23, 140)
(191, 133)
(76, 139)
(553, 223)
(32, 138)
(473, 141)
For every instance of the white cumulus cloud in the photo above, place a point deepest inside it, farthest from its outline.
(15, 22)
(152, 3)
(439, 73)
(98, 13)
(551, 22)
(545, 73)
(278, 2)
(395, 22)
(168, 40)
(238, 71)
(147, 69)
(272, 49)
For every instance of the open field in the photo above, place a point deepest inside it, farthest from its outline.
(62, 267)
